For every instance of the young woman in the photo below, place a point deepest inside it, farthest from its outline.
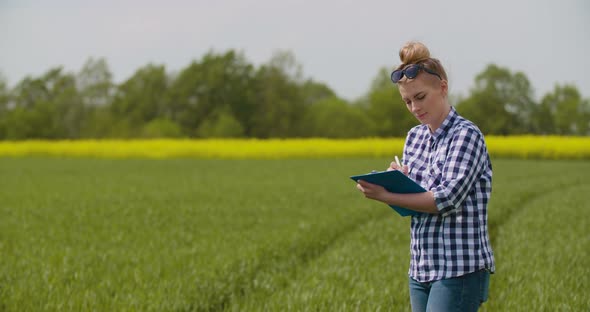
(451, 255)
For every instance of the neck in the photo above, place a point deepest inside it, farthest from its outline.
(438, 122)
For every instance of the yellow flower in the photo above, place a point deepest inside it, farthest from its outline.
(546, 147)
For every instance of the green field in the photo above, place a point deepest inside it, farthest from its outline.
(265, 235)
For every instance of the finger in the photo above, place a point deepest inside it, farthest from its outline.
(393, 165)
(406, 170)
(360, 188)
(364, 184)
(368, 188)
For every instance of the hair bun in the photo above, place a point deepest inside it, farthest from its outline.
(413, 52)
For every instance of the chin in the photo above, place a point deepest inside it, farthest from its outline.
(422, 121)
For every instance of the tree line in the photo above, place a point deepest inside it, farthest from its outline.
(225, 95)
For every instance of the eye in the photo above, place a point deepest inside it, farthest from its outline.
(421, 97)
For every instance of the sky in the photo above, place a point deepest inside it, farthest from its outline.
(341, 43)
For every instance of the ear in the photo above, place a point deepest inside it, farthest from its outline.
(444, 88)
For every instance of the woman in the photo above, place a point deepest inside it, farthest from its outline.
(451, 256)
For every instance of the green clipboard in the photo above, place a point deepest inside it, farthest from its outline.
(393, 181)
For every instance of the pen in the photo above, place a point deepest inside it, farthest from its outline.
(398, 163)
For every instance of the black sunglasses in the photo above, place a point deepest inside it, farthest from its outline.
(411, 72)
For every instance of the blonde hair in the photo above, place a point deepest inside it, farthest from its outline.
(414, 52)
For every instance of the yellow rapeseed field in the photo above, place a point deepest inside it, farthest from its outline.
(545, 147)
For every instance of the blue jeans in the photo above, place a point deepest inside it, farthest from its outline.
(464, 293)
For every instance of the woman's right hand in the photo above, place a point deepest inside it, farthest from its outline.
(394, 166)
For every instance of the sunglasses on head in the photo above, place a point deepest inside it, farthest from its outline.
(411, 72)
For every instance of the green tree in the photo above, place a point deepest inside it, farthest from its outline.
(101, 123)
(335, 118)
(583, 123)
(313, 92)
(161, 128)
(94, 82)
(385, 108)
(4, 93)
(280, 104)
(221, 125)
(4, 100)
(224, 95)
(501, 102)
(46, 107)
(564, 112)
(139, 100)
(219, 84)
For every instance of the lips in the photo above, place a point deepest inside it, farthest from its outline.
(421, 116)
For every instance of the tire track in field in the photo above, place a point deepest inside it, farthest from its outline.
(565, 175)
(515, 208)
(282, 263)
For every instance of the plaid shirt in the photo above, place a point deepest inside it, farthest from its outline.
(454, 164)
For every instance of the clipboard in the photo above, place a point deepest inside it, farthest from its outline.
(393, 181)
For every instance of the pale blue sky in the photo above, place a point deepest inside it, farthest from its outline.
(342, 43)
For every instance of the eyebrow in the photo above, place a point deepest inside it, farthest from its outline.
(405, 99)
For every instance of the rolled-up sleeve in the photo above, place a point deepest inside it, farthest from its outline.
(464, 164)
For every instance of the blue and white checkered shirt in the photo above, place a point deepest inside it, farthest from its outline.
(453, 163)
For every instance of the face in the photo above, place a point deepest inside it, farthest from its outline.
(426, 98)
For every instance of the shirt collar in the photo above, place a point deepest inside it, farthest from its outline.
(446, 124)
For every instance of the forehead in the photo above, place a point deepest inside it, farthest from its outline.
(410, 87)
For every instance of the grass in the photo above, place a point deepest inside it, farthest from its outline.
(250, 235)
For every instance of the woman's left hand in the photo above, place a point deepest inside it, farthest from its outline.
(372, 191)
